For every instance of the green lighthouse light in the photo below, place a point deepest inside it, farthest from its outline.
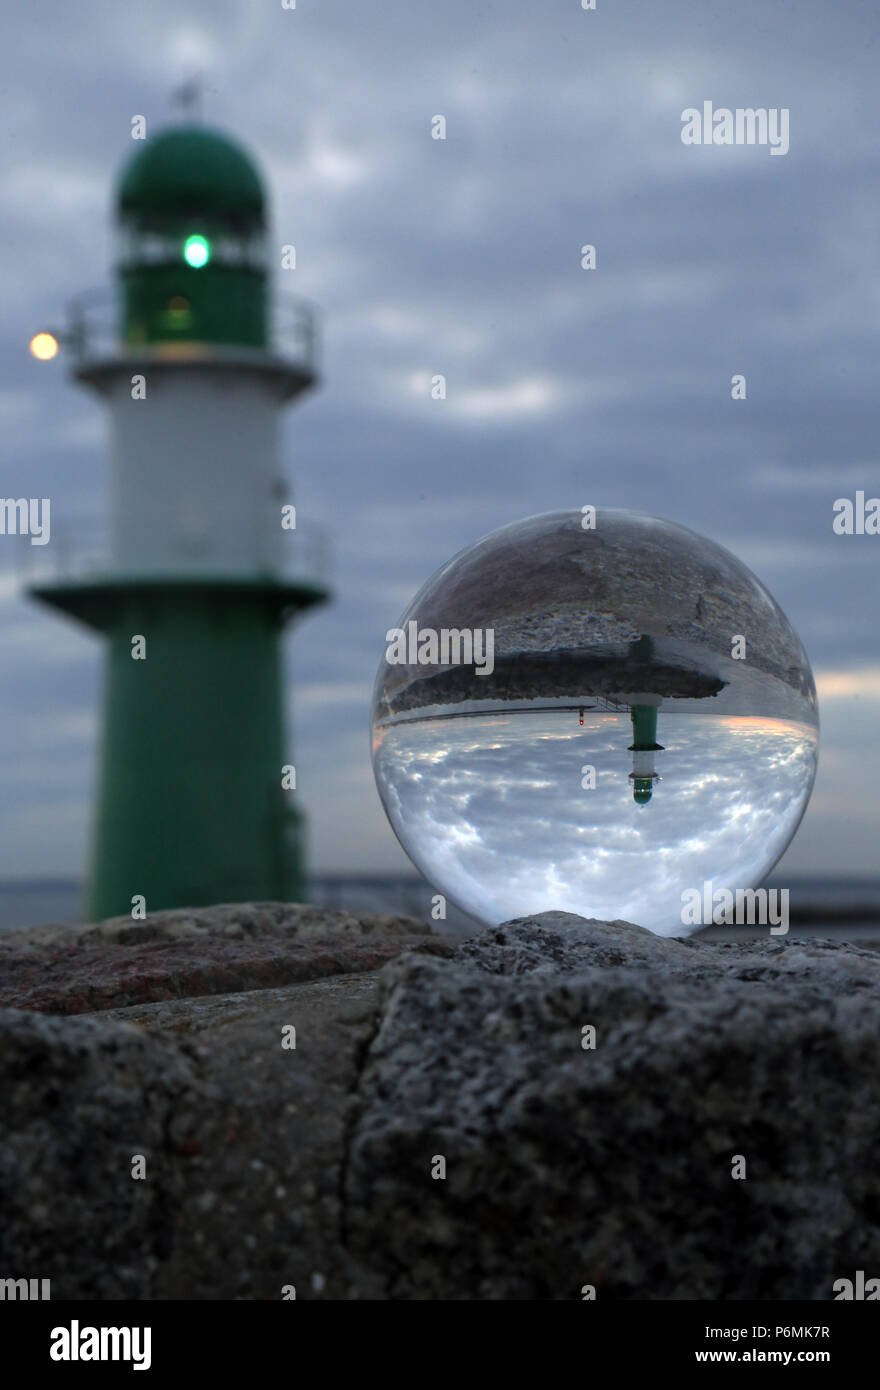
(191, 222)
(196, 251)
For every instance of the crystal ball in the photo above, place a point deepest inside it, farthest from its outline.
(597, 712)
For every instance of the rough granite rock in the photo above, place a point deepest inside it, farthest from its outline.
(612, 1166)
(262, 1145)
(312, 1166)
(181, 954)
(78, 1099)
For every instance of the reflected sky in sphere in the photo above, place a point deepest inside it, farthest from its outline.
(493, 810)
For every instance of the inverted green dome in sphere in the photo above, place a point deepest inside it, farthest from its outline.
(191, 169)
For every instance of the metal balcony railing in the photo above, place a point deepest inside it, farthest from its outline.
(92, 329)
(168, 543)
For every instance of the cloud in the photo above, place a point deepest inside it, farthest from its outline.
(861, 683)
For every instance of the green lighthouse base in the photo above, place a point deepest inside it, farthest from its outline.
(190, 808)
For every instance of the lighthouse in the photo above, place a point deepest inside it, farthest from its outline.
(193, 359)
(643, 715)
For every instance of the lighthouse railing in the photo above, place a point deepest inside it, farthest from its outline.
(171, 544)
(92, 330)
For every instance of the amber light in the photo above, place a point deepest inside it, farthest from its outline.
(44, 346)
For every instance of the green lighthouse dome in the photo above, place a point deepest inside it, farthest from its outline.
(191, 231)
(190, 169)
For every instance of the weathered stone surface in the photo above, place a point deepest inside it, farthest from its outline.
(269, 1166)
(244, 1142)
(181, 954)
(78, 1099)
(243, 1138)
(261, 1149)
(612, 1167)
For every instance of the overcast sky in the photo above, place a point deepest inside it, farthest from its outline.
(462, 257)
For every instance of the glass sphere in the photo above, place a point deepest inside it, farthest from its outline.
(597, 712)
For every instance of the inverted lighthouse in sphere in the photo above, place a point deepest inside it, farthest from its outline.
(202, 567)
